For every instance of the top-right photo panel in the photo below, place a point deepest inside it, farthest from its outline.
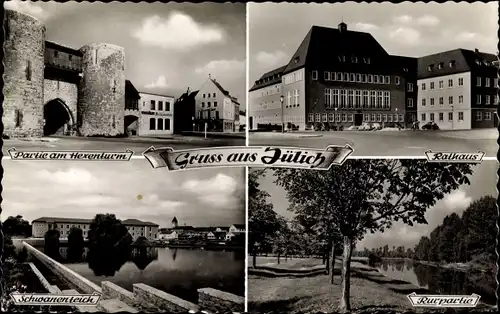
(387, 79)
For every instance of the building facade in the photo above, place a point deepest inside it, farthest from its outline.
(215, 108)
(458, 89)
(135, 227)
(350, 83)
(156, 115)
(185, 113)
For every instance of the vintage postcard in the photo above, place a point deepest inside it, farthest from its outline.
(372, 236)
(123, 235)
(390, 80)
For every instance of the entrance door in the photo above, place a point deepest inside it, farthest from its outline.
(250, 121)
(358, 119)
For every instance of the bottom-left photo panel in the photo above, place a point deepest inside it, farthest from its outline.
(121, 237)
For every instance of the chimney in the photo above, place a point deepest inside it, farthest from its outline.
(342, 27)
(187, 93)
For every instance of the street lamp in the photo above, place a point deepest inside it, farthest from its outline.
(335, 118)
(452, 117)
(282, 115)
(397, 117)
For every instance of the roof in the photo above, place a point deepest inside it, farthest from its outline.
(239, 226)
(217, 84)
(131, 91)
(59, 47)
(154, 94)
(454, 61)
(136, 222)
(61, 219)
(167, 231)
(174, 220)
(270, 78)
(323, 45)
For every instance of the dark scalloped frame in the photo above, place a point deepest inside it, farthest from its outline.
(2, 34)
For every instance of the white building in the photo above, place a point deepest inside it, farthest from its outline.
(135, 227)
(168, 235)
(156, 115)
(215, 107)
(234, 230)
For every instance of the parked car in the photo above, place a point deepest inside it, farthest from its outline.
(376, 126)
(365, 127)
(430, 126)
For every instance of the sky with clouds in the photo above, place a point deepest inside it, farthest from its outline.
(408, 29)
(206, 197)
(483, 182)
(168, 47)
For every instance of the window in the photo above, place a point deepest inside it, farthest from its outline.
(479, 115)
(460, 116)
(366, 117)
(28, 70)
(213, 95)
(441, 84)
(375, 79)
(431, 85)
(343, 98)
(318, 117)
(337, 117)
(344, 117)
(487, 82)
(450, 100)
(373, 97)
(324, 117)
(339, 76)
(441, 116)
(451, 64)
(288, 98)
(346, 77)
(358, 78)
(296, 97)
(460, 99)
(314, 75)
(350, 98)
(328, 98)
(367, 60)
(389, 117)
(387, 99)
(364, 78)
(327, 76)
(209, 104)
(450, 83)
(160, 124)
(478, 81)
(357, 100)
(487, 116)
(311, 117)
(153, 105)
(495, 82)
(487, 99)
(450, 116)
(215, 104)
(370, 78)
(461, 81)
(410, 103)
(432, 117)
(365, 99)
(423, 86)
(202, 105)
(217, 115)
(354, 59)
(440, 65)
(56, 53)
(18, 118)
(374, 117)
(341, 58)
(401, 118)
(379, 117)
(387, 80)
(423, 102)
(335, 101)
(432, 101)
(203, 95)
(441, 100)
(397, 80)
(430, 67)
(379, 99)
(208, 95)
(478, 99)
(385, 118)
(160, 105)
(410, 87)
(395, 118)
(152, 123)
(352, 77)
(331, 117)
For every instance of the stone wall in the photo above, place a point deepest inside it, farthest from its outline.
(67, 92)
(220, 301)
(84, 285)
(24, 49)
(162, 300)
(102, 90)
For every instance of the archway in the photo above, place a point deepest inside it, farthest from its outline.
(131, 125)
(58, 118)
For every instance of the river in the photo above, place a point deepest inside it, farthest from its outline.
(440, 280)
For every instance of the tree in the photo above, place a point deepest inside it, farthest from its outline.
(52, 244)
(369, 195)
(480, 220)
(263, 221)
(16, 226)
(76, 244)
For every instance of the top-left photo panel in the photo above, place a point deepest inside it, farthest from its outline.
(123, 76)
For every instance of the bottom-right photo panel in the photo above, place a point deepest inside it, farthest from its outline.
(372, 235)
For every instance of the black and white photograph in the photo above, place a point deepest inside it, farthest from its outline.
(116, 76)
(362, 237)
(388, 79)
(145, 240)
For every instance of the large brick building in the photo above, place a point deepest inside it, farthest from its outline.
(458, 89)
(336, 77)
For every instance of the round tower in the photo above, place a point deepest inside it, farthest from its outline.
(101, 105)
(24, 49)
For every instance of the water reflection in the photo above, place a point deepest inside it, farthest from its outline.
(440, 280)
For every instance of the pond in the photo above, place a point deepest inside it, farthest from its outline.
(440, 280)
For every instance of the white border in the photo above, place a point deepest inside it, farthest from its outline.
(247, 143)
(350, 157)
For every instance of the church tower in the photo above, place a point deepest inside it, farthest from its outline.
(175, 223)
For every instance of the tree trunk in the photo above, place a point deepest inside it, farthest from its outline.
(345, 305)
(254, 258)
(279, 255)
(327, 253)
(332, 258)
(286, 257)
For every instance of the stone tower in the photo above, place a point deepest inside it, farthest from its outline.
(101, 93)
(175, 223)
(24, 50)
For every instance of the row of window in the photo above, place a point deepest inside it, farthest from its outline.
(487, 82)
(160, 105)
(209, 104)
(272, 90)
(292, 99)
(208, 95)
(360, 78)
(480, 116)
(452, 64)
(206, 114)
(293, 77)
(350, 98)
(488, 100)
(349, 117)
(159, 124)
(276, 119)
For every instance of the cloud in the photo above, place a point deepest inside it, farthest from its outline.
(161, 82)
(428, 20)
(457, 201)
(27, 7)
(365, 27)
(222, 67)
(217, 191)
(271, 59)
(405, 35)
(403, 19)
(178, 31)
(70, 177)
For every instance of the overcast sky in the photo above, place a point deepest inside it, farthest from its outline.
(483, 182)
(207, 197)
(168, 47)
(409, 29)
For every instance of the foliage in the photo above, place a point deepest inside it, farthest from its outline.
(52, 244)
(368, 196)
(76, 244)
(16, 226)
